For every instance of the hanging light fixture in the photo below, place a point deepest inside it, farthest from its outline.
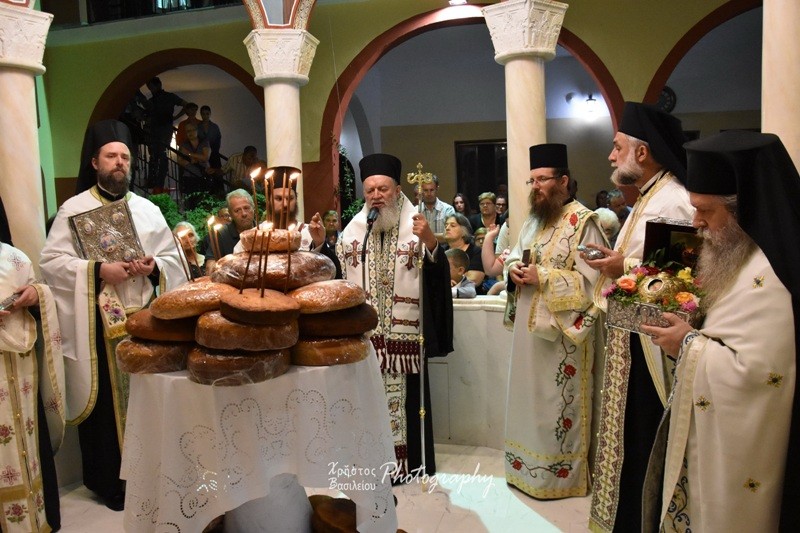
(591, 104)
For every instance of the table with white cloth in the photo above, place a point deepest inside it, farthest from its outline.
(193, 452)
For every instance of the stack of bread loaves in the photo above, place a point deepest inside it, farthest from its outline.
(244, 325)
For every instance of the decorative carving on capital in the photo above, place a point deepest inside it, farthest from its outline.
(284, 54)
(23, 33)
(524, 28)
(302, 14)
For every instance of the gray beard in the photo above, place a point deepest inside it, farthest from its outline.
(387, 219)
(110, 184)
(627, 173)
(722, 256)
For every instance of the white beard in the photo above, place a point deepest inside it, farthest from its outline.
(722, 256)
(388, 218)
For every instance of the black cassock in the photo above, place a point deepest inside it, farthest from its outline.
(438, 331)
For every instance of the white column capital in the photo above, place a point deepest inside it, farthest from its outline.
(281, 55)
(23, 33)
(524, 28)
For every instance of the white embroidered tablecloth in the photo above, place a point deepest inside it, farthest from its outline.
(193, 452)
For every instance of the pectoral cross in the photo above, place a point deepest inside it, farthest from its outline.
(409, 254)
(352, 254)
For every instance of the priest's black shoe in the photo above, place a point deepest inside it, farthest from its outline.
(116, 502)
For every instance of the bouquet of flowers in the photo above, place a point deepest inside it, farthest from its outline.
(641, 295)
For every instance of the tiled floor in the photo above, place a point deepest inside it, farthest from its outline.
(471, 496)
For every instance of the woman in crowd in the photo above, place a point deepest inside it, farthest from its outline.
(187, 235)
(461, 204)
(458, 234)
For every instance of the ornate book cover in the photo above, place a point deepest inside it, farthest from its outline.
(107, 233)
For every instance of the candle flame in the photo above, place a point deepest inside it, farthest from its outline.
(183, 233)
(217, 227)
(291, 228)
(254, 174)
(211, 220)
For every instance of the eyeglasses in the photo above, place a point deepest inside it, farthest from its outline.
(539, 181)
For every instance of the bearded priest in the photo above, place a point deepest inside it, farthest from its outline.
(379, 250)
(549, 409)
(731, 456)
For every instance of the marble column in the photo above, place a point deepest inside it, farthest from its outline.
(281, 59)
(524, 34)
(780, 74)
(23, 32)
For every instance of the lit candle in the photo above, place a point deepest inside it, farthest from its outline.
(182, 257)
(210, 225)
(285, 203)
(288, 260)
(253, 176)
(217, 227)
(268, 188)
(249, 258)
(266, 258)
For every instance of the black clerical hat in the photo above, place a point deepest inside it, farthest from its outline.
(380, 164)
(548, 156)
(661, 131)
(98, 135)
(717, 164)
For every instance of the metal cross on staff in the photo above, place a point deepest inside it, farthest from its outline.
(417, 179)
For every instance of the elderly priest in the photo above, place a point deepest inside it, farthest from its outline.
(732, 449)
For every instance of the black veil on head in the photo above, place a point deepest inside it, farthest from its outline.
(380, 165)
(758, 169)
(97, 135)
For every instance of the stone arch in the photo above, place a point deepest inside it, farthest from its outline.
(323, 175)
(722, 14)
(120, 90)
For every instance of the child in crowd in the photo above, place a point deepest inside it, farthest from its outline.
(459, 261)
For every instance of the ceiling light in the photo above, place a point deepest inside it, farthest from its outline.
(457, 2)
(591, 104)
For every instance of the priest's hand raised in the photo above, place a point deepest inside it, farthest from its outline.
(316, 230)
(421, 229)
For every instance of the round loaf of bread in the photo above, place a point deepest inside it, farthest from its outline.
(307, 267)
(342, 323)
(251, 308)
(211, 367)
(139, 356)
(330, 351)
(279, 240)
(193, 298)
(144, 325)
(215, 331)
(329, 295)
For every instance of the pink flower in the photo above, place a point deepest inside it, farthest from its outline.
(609, 291)
(690, 306)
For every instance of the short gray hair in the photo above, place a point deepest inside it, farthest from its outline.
(239, 193)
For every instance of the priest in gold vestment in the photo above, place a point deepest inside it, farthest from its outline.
(549, 408)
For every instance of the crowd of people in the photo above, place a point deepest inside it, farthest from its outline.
(200, 166)
(697, 423)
